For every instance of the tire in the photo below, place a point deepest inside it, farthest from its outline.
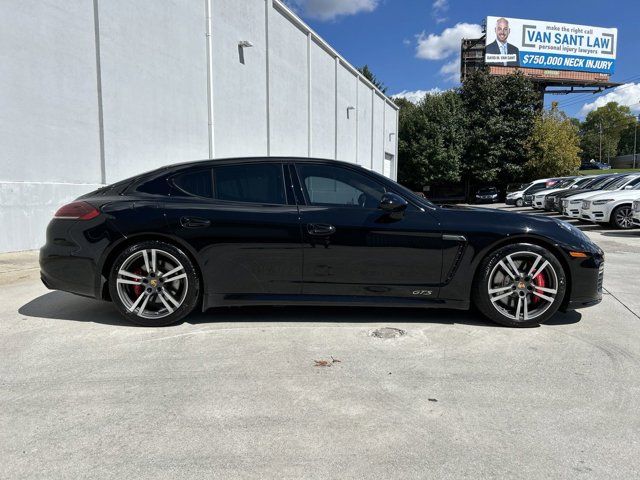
(622, 217)
(138, 287)
(505, 302)
(520, 203)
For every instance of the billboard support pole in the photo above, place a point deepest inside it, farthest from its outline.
(635, 141)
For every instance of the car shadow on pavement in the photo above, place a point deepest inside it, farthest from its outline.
(623, 234)
(65, 306)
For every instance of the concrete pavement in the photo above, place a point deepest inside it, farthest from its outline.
(236, 393)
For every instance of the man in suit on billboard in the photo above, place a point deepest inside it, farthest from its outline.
(501, 46)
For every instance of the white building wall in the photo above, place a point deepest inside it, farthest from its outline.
(378, 133)
(323, 105)
(365, 124)
(288, 87)
(347, 114)
(93, 92)
(239, 78)
(49, 132)
(154, 84)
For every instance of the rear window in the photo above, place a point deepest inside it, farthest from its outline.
(251, 183)
(196, 183)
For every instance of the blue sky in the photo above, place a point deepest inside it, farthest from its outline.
(413, 45)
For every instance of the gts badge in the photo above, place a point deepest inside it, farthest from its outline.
(422, 292)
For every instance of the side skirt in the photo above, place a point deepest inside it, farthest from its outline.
(230, 300)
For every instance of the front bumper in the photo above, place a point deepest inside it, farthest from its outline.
(594, 215)
(573, 211)
(587, 276)
(510, 201)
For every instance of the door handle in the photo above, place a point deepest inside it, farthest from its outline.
(320, 229)
(194, 222)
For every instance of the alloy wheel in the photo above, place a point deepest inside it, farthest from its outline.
(522, 286)
(152, 283)
(624, 217)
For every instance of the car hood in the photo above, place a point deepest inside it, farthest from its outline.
(478, 221)
(617, 195)
(588, 194)
(547, 192)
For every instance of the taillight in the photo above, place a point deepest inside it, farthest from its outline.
(77, 211)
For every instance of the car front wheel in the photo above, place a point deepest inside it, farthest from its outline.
(519, 202)
(519, 285)
(622, 217)
(154, 284)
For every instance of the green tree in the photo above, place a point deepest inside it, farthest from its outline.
(500, 112)
(629, 138)
(602, 130)
(554, 145)
(431, 140)
(368, 74)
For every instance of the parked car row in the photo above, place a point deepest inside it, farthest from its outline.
(612, 199)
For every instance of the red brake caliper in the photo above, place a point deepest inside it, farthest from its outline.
(138, 289)
(540, 281)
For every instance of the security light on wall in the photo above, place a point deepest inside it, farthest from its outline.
(391, 135)
(348, 109)
(245, 44)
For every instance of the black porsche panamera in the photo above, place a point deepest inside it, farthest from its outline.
(284, 231)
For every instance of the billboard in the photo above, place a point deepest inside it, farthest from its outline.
(513, 42)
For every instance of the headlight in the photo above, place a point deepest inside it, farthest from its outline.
(602, 202)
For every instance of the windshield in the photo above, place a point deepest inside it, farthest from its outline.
(584, 182)
(617, 183)
(603, 182)
(564, 183)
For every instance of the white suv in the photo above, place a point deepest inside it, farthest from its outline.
(573, 204)
(636, 213)
(538, 198)
(517, 198)
(615, 208)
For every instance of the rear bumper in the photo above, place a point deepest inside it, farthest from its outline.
(69, 258)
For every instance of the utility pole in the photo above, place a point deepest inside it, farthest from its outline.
(600, 143)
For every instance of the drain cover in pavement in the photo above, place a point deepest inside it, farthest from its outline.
(388, 332)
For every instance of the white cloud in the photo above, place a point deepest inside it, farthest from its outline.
(416, 95)
(628, 94)
(451, 70)
(439, 7)
(439, 47)
(331, 9)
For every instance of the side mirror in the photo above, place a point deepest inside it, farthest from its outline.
(629, 187)
(392, 203)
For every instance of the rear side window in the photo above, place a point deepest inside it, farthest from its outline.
(196, 183)
(251, 183)
(536, 187)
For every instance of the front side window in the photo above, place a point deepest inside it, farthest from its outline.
(251, 183)
(328, 185)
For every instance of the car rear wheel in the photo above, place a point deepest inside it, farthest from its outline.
(622, 217)
(519, 285)
(154, 284)
(519, 202)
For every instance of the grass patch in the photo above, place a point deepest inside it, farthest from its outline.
(613, 170)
